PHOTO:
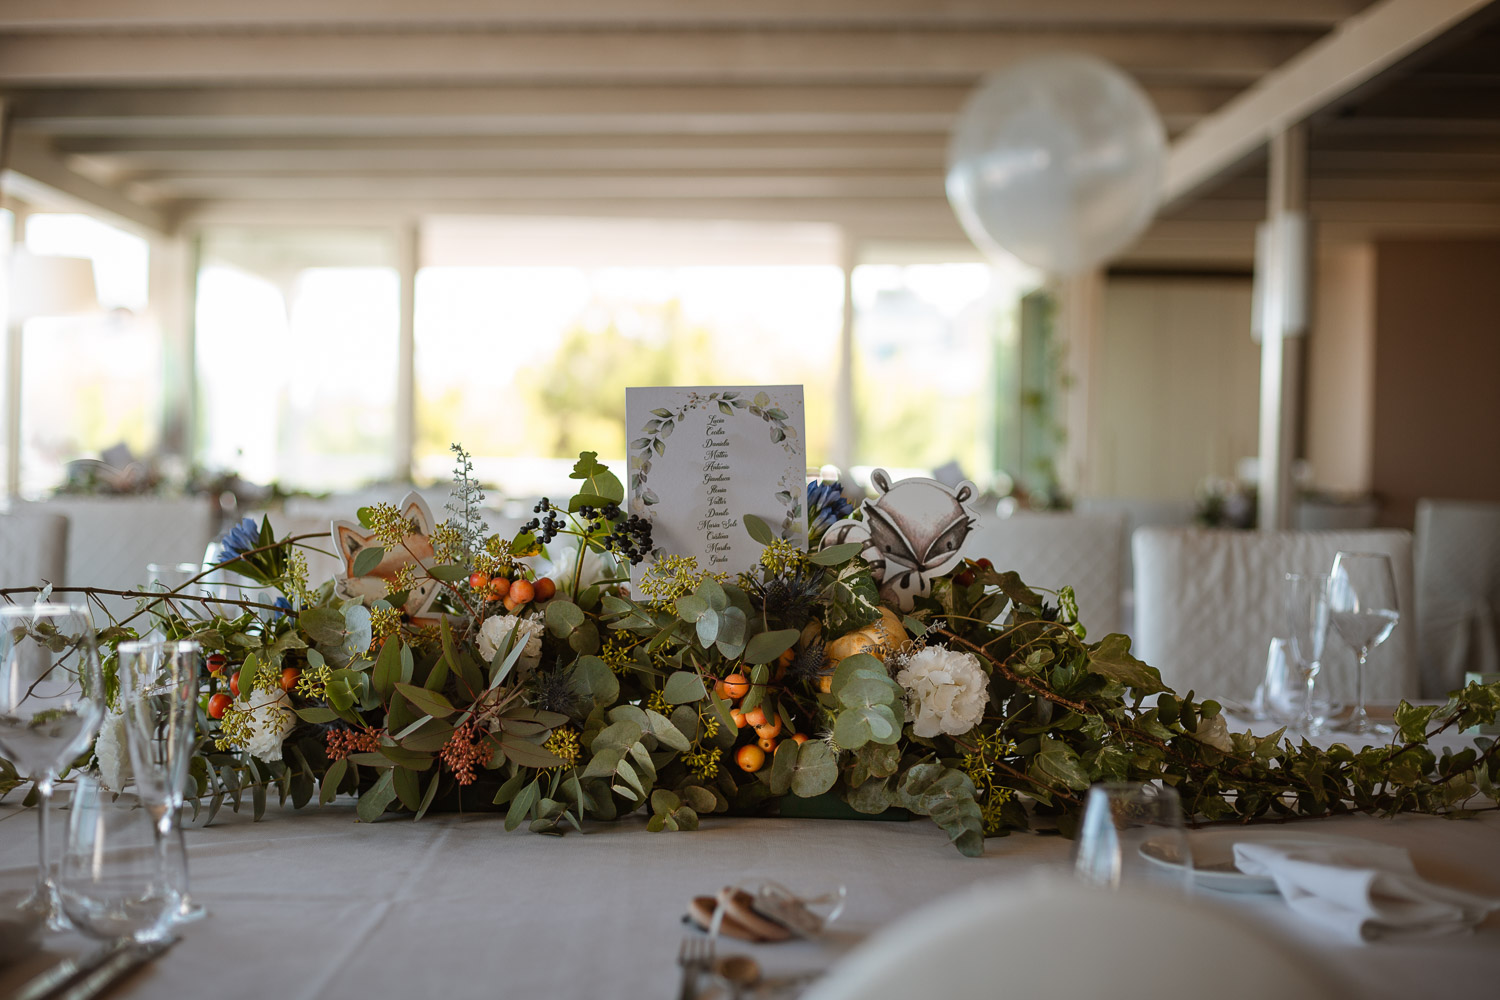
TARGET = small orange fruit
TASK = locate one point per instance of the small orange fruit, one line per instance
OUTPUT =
(738, 717)
(216, 662)
(521, 591)
(767, 744)
(479, 580)
(770, 729)
(218, 705)
(756, 716)
(234, 683)
(721, 690)
(737, 685)
(545, 589)
(799, 738)
(498, 588)
(750, 758)
(289, 678)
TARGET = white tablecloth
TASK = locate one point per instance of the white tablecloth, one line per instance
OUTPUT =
(314, 904)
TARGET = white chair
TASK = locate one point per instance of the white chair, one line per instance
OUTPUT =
(1004, 940)
(1054, 550)
(1208, 603)
(33, 549)
(111, 540)
(1458, 592)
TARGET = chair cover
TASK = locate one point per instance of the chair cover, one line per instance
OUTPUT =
(1208, 603)
(33, 548)
(1054, 550)
(1458, 592)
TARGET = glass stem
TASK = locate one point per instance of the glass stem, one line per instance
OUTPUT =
(1360, 715)
(43, 821)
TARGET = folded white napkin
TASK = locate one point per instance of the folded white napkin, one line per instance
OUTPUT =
(1363, 892)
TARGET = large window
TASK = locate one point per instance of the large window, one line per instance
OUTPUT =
(529, 365)
(297, 357)
(91, 382)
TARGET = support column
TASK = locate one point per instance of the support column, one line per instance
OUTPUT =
(13, 341)
(1283, 273)
(408, 261)
(173, 283)
(844, 428)
(1080, 316)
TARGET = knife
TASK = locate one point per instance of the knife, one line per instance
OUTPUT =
(115, 968)
(65, 971)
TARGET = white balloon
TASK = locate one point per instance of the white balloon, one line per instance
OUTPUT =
(1057, 160)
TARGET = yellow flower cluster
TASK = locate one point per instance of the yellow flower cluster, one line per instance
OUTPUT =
(674, 576)
(404, 580)
(782, 558)
(564, 743)
(447, 543)
(616, 651)
(495, 559)
(236, 729)
(708, 725)
(705, 763)
(295, 580)
(384, 623)
(979, 765)
(389, 527)
(313, 683)
(657, 702)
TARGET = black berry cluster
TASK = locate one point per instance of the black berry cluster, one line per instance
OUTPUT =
(546, 528)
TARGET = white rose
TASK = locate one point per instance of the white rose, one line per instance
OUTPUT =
(112, 753)
(948, 691)
(272, 719)
(494, 630)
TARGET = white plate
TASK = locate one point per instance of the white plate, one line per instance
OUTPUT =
(1213, 854)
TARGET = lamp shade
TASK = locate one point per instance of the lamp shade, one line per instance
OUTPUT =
(51, 286)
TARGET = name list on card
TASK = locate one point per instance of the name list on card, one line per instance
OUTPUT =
(703, 457)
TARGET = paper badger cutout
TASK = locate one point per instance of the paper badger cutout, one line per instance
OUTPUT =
(912, 533)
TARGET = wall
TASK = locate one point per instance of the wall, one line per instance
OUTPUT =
(1437, 373)
(1176, 386)
(1339, 393)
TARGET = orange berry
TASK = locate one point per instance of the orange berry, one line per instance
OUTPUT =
(216, 662)
(521, 592)
(234, 683)
(770, 729)
(721, 690)
(785, 659)
(289, 678)
(511, 604)
(750, 758)
(799, 738)
(479, 580)
(498, 588)
(767, 744)
(218, 705)
(738, 717)
(737, 685)
(756, 716)
(545, 589)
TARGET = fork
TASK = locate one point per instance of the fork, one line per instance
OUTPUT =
(696, 956)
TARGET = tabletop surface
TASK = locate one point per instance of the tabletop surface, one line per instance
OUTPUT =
(316, 904)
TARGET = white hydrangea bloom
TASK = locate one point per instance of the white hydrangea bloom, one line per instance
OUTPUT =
(112, 753)
(948, 691)
(494, 630)
(272, 717)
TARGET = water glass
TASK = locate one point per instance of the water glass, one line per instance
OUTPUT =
(1132, 835)
(51, 705)
(1283, 693)
(159, 688)
(175, 578)
(113, 879)
(1362, 607)
(1307, 629)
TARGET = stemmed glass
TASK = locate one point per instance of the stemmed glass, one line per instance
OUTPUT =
(167, 578)
(1307, 627)
(1362, 606)
(51, 705)
(112, 878)
(159, 690)
(1131, 834)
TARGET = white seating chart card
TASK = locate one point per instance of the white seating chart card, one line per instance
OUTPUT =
(702, 457)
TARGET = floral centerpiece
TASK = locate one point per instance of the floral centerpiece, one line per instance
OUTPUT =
(526, 678)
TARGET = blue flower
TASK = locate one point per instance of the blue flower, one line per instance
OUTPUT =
(285, 606)
(238, 540)
(825, 505)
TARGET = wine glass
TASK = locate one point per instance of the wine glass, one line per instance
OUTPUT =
(113, 880)
(1362, 607)
(51, 704)
(159, 691)
(1131, 835)
(1307, 628)
(174, 578)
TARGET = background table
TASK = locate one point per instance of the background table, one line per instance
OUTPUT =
(314, 904)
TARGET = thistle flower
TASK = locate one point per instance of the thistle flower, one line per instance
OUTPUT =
(825, 505)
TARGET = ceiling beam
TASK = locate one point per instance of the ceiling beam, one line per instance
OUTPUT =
(50, 15)
(34, 173)
(449, 111)
(577, 57)
(1364, 46)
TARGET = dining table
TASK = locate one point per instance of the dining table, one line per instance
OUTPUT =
(312, 903)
